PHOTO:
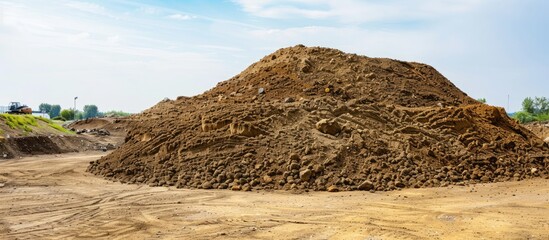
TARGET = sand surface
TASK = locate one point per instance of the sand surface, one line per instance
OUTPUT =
(52, 197)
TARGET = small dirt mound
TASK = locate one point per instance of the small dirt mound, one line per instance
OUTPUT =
(320, 119)
(106, 133)
(37, 145)
(116, 126)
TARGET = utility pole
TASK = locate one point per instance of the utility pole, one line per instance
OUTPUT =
(508, 96)
(74, 109)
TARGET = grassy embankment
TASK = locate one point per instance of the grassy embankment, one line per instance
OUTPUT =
(27, 122)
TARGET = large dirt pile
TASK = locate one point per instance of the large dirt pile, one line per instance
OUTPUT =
(320, 119)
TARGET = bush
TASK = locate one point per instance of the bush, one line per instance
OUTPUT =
(542, 117)
(524, 117)
(536, 109)
(67, 114)
(59, 118)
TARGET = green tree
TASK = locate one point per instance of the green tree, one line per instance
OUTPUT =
(536, 109)
(90, 111)
(541, 105)
(482, 100)
(55, 111)
(67, 114)
(78, 115)
(528, 105)
(44, 107)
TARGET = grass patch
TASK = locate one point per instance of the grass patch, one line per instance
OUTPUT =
(60, 128)
(22, 122)
(26, 122)
(55, 126)
(48, 121)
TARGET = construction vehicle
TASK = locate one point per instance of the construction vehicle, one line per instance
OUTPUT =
(18, 108)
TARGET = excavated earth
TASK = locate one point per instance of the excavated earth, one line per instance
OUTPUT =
(311, 118)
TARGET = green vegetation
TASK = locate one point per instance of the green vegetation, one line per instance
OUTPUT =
(90, 111)
(44, 107)
(68, 114)
(26, 122)
(55, 111)
(78, 115)
(536, 109)
(52, 110)
(59, 128)
(114, 114)
(59, 118)
(54, 125)
(482, 100)
(22, 122)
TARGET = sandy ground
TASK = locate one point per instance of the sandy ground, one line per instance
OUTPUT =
(52, 197)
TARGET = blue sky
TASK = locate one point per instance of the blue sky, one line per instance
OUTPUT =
(128, 55)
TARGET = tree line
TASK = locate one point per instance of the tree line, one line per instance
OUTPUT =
(533, 109)
(90, 111)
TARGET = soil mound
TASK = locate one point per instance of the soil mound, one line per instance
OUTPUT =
(25, 135)
(116, 126)
(36, 145)
(320, 119)
(106, 133)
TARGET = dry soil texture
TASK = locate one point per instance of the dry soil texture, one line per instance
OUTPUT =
(541, 129)
(52, 197)
(324, 120)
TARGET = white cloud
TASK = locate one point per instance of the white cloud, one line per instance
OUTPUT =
(82, 45)
(149, 9)
(356, 11)
(113, 39)
(1, 16)
(180, 16)
(404, 45)
(220, 47)
(87, 7)
(79, 37)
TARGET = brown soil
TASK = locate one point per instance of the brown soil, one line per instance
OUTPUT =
(51, 197)
(37, 145)
(44, 139)
(115, 127)
(320, 119)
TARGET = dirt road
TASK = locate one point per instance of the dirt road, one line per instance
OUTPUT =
(51, 197)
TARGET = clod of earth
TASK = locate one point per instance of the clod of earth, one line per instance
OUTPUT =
(355, 123)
